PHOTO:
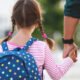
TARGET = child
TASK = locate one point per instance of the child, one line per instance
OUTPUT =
(27, 17)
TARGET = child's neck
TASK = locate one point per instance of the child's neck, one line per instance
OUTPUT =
(21, 37)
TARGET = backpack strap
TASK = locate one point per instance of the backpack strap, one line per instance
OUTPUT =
(29, 43)
(4, 46)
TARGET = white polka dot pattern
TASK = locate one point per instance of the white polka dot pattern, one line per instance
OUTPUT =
(18, 64)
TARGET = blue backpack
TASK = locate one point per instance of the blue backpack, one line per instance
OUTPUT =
(18, 64)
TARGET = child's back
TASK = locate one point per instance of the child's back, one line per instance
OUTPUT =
(44, 58)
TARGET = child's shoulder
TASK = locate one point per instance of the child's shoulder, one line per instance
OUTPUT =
(40, 42)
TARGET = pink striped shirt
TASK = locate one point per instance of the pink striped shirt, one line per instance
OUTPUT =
(44, 56)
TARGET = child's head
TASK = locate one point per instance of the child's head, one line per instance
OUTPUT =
(27, 13)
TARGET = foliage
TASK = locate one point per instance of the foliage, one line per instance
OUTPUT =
(53, 17)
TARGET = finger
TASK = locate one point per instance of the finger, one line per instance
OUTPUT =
(67, 52)
(68, 49)
(75, 60)
(76, 53)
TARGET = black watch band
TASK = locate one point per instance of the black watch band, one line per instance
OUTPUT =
(67, 41)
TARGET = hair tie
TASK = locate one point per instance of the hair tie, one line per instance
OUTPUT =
(9, 33)
(44, 35)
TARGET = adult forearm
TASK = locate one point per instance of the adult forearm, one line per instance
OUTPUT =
(70, 27)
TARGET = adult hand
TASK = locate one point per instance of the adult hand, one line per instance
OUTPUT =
(73, 54)
(68, 48)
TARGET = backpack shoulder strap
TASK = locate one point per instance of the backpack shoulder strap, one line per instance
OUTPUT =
(4, 46)
(29, 43)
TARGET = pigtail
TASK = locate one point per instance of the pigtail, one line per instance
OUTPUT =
(10, 33)
(49, 41)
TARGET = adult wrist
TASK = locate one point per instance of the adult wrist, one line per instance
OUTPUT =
(67, 41)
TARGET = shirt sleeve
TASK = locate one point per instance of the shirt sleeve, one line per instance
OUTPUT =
(54, 70)
(1, 48)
